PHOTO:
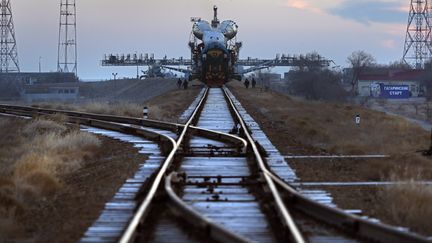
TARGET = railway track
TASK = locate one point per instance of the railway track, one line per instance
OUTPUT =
(218, 186)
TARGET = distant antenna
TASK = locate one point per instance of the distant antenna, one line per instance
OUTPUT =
(8, 46)
(215, 22)
(67, 46)
(418, 41)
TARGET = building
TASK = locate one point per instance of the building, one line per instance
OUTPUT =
(50, 92)
(32, 87)
(393, 84)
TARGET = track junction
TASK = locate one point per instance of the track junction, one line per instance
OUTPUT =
(221, 179)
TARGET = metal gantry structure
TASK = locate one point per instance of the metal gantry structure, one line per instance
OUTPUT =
(8, 46)
(418, 41)
(255, 64)
(67, 43)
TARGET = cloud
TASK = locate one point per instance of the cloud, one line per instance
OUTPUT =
(303, 5)
(389, 44)
(363, 11)
(394, 29)
(368, 11)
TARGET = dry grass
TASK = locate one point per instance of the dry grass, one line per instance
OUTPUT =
(420, 109)
(41, 127)
(170, 107)
(41, 152)
(166, 108)
(325, 127)
(409, 204)
(116, 109)
(157, 110)
(331, 127)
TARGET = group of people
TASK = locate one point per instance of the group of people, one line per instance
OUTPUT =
(185, 84)
(182, 83)
(247, 83)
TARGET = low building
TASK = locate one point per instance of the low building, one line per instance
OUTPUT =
(50, 92)
(393, 84)
(32, 87)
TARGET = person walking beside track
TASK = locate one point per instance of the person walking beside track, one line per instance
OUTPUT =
(246, 83)
(253, 82)
(179, 83)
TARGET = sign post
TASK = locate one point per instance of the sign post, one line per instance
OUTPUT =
(395, 92)
(357, 120)
(145, 112)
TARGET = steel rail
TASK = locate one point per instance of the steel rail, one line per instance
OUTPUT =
(121, 119)
(286, 216)
(118, 124)
(350, 223)
(371, 156)
(354, 224)
(113, 126)
(220, 136)
(174, 127)
(143, 209)
(211, 229)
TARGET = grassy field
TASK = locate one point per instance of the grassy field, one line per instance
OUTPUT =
(324, 127)
(33, 157)
(50, 172)
(299, 127)
(167, 107)
(408, 204)
(331, 126)
(418, 109)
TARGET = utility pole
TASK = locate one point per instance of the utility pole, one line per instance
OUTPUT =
(418, 41)
(67, 41)
(8, 46)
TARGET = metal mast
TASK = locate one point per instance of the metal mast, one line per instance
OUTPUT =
(418, 41)
(67, 45)
(8, 46)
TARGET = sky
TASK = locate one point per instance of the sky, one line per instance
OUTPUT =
(333, 28)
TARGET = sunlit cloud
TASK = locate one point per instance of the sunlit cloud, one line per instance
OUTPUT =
(322, 5)
(394, 29)
(299, 4)
(389, 44)
(402, 8)
(303, 5)
(372, 11)
(365, 11)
